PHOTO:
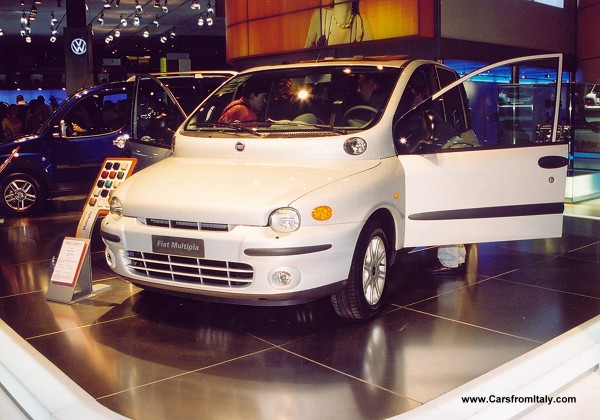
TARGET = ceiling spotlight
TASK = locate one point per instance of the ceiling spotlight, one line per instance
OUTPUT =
(201, 20)
(1, 32)
(163, 39)
(28, 39)
(28, 27)
(53, 39)
(165, 8)
(172, 34)
(195, 5)
(23, 18)
(136, 20)
(209, 8)
(138, 6)
(118, 3)
(53, 19)
(155, 22)
(106, 4)
(123, 20)
(156, 4)
(117, 33)
(101, 19)
(108, 39)
(146, 34)
(22, 31)
(22, 2)
(54, 31)
(209, 21)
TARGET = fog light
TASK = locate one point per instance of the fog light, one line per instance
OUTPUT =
(110, 258)
(284, 277)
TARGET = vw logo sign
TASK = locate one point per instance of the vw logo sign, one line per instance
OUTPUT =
(78, 46)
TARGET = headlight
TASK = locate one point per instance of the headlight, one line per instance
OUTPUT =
(116, 208)
(284, 220)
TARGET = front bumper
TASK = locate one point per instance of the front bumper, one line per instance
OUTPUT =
(247, 258)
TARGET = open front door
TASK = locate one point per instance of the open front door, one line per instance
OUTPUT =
(156, 116)
(490, 165)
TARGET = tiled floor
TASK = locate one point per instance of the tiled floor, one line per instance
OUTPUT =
(150, 356)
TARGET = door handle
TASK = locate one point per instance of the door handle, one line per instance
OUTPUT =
(553, 162)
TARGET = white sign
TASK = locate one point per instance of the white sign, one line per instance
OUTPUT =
(78, 46)
(70, 259)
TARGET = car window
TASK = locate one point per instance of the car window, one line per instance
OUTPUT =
(190, 90)
(300, 100)
(156, 115)
(484, 112)
(98, 114)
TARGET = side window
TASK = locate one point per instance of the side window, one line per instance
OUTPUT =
(453, 104)
(512, 104)
(156, 116)
(98, 114)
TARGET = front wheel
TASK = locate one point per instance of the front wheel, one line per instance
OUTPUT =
(362, 296)
(21, 194)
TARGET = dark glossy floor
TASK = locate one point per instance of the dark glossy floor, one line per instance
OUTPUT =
(150, 356)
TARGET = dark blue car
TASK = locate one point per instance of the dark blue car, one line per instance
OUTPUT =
(137, 117)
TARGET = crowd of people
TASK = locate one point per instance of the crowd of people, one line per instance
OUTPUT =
(23, 117)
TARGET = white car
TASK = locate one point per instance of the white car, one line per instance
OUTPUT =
(316, 195)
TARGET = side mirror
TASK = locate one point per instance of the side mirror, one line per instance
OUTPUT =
(62, 130)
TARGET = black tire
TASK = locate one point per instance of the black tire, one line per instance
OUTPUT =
(21, 194)
(362, 296)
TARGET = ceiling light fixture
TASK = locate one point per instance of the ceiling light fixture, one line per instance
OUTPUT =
(165, 8)
(155, 22)
(156, 4)
(201, 20)
(163, 39)
(209, 8)
(23, 18)
(195, 5)
(123, 20)
(138, 6)
(101, 19)
(53, 19)
(117, 33)
(106, 4)
(146, 33)
(209, 21)
(136, 20)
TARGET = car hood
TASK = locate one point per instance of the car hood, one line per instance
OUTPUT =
(226, 191)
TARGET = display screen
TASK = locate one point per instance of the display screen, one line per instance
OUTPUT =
(255, 28)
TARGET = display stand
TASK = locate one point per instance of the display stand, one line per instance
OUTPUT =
(72, 276)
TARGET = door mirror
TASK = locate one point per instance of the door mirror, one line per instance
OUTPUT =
(62, 130)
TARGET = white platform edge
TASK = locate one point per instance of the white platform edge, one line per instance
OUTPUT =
(543, 371)
(39, 388)
(43, 391)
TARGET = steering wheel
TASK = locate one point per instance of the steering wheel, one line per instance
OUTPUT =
(357, 108)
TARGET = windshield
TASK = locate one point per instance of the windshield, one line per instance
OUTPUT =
(300, 99)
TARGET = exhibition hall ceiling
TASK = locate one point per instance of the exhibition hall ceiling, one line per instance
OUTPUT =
(37, 21)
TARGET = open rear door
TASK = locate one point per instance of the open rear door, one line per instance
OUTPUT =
(501, 175)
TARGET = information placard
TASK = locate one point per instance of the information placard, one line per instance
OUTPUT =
(70, 260)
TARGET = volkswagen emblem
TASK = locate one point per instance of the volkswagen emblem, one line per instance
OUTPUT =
(78, 46)
(239, 146)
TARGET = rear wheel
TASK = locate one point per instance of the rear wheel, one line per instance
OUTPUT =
(362, 296)
(21, 194)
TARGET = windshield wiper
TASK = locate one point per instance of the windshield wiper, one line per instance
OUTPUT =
(235, 126)
(323, 127)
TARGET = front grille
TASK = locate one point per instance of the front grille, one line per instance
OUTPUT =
(189, 269)
(182, 224)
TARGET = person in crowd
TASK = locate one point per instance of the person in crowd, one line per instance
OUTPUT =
(20, 100)
(46, 108)
(339, 23)
(12, 124)
(253, 100)
(34, 117)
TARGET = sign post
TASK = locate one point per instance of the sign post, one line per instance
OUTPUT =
(72, 276)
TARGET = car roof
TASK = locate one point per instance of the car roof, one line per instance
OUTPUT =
(391, 61)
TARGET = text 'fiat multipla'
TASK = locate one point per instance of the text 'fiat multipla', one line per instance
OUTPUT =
(294, 182)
